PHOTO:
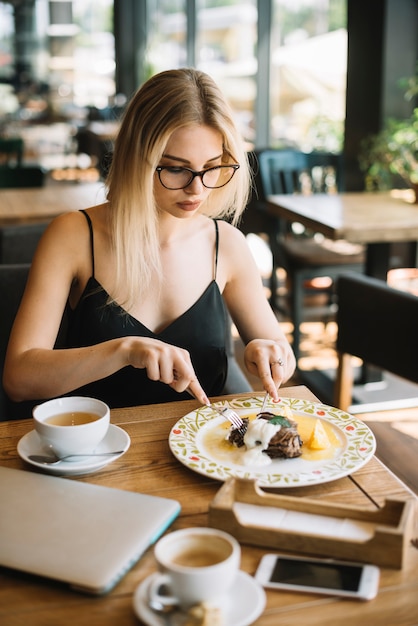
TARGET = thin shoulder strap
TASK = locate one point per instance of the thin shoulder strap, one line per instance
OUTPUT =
(216, 248)
(87, 216)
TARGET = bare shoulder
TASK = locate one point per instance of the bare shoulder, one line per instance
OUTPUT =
(69, 231)
(232, 242)
(230, 235)
(68, 223)
(65, 243)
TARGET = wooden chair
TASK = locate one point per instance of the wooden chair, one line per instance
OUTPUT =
(378, 324)
(302, 255)
(18, 242)
(21, 176)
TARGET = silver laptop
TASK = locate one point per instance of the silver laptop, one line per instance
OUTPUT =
(82, 534)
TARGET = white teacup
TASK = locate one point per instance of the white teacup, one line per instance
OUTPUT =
(71, 425)
(197, 565)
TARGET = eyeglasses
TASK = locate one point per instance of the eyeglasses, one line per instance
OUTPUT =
(172, 177)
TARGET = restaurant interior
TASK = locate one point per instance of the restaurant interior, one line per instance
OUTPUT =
(316, 86)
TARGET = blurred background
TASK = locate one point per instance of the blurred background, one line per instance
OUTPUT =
(308, 74)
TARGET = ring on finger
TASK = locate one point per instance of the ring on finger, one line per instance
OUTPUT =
(278, 362)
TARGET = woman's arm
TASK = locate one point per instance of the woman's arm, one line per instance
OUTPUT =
(266, 343)
(33, 369)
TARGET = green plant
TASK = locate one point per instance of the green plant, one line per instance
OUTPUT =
(391, 152)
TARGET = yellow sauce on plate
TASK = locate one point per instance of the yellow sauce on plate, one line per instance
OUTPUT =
(216, 443)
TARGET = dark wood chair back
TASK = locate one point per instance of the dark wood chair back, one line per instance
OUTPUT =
(13, 280)
(11, 151)
(281, 171)
(23, 176)
(378, 324)
(294, 247)
(12, 285)
(18, 242)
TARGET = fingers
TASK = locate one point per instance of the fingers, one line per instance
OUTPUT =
(170, 365)
(195, 391)
(183, 382)
(266, 360)
(273, 377)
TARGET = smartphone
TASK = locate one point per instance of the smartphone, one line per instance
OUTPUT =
(312, 575)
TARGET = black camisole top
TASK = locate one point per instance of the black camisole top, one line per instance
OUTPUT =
(201, 330)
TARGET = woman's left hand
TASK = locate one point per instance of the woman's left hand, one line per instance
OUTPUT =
(272, 361)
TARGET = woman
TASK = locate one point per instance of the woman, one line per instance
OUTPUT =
(144, 275)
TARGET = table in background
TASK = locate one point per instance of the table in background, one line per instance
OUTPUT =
(42, 204)
(376, 219)
(150, 467)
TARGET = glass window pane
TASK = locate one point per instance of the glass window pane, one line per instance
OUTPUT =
(6, 41)
(308, 74)
(166, 36)
(67, 51)
(226, 49)
(94, 53)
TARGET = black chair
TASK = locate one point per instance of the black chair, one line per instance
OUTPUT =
(303, 255)
(22, 176)
(378, 324)
(18, 242)
(11, 151)
(236, 382)
(98, 149)
(12, 284)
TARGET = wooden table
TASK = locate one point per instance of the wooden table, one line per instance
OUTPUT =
(375, 219)
(149, 467)
(44, 203)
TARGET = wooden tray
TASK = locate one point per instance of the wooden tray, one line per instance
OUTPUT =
(387, 530)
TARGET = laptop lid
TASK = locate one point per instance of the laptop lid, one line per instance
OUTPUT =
(82, 534)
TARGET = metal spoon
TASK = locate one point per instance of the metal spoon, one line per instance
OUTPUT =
(53, 460)
(162, 609)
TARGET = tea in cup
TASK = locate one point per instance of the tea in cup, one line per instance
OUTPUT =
(71, 425)
(197, 565)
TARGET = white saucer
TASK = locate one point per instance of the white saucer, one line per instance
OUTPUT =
(247, 600)
(115, 439)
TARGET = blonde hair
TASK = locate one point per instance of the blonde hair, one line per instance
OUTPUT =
(166, 102)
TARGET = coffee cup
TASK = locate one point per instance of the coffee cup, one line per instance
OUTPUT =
(197, 565)
(71, 425)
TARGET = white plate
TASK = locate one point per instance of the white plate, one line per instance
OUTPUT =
(246, 602)
(116, 439)
(189, 438)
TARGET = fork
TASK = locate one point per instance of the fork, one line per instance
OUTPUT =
(229, 414)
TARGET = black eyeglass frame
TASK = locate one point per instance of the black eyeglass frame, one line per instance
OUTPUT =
(194, 173)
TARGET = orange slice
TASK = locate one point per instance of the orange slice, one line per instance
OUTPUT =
(319, 439)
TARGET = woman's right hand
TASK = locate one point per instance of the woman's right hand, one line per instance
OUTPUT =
(167, 364)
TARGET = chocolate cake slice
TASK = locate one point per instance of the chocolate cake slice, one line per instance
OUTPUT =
(286, 442)
(283, 440)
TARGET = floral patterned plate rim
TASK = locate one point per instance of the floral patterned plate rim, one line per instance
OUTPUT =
(188, 442)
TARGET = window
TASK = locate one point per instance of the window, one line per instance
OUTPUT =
(308, 74)
(280, 63)
(166, 45)
(226, 46)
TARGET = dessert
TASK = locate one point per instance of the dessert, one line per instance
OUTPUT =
(267, 437)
